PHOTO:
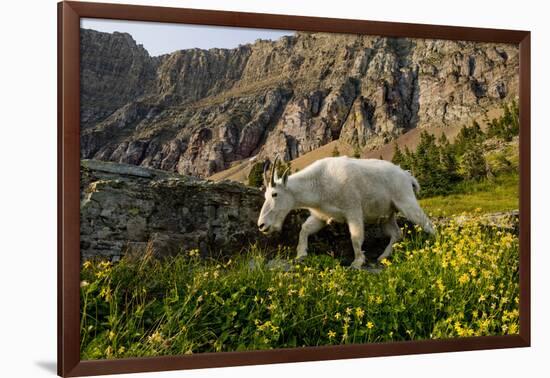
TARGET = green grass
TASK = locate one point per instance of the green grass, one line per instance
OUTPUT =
(464, 282)
(501, 194)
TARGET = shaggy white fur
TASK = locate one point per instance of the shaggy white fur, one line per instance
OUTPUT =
(346, 190)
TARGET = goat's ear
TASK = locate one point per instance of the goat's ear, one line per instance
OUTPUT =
(285, 176)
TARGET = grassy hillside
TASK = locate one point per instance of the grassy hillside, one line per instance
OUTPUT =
(501, 194)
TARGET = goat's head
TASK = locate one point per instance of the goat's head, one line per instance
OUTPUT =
(278, 200)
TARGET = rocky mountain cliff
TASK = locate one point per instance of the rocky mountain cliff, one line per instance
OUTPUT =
(197, 111)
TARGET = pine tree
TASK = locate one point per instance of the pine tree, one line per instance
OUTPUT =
(428, 169)
(467, 137)
(448, 159)
(335, 152)
(473, 165)
(506, 126)
(255, 177)
(282, 166)
(398, 157)
(409, 161)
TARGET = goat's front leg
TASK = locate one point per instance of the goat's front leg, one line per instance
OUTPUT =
(357, 232)
(310, 226)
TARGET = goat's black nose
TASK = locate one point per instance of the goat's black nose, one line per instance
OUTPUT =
(262, 226)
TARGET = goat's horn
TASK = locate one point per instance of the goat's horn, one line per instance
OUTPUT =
(285, 175)
(265, 174)
(273, 168)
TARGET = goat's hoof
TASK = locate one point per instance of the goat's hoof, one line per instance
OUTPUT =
(357, 265)
(374, 268)
(299, 259)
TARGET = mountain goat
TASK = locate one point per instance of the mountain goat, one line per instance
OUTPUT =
(345, 190)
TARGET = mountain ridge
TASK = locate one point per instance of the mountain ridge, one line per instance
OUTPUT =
(197, 112)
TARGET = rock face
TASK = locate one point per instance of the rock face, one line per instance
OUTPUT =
(124, 207)
(196, 111)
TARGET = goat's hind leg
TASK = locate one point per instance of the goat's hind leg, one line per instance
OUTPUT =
(310, 226)
(391, 229)
(413, 212)
(357, 232)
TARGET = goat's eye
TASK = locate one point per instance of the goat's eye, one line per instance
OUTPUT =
(274, 195)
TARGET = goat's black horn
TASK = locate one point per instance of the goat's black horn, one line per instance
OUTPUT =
(273, 168)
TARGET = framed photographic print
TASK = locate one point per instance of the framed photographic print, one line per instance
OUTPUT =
(239, 188)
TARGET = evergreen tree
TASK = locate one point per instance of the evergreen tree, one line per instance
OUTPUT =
(409, 161)
(448, 160)
(428, 169)
(473, 165)
(335, 151)
(398, 157)
(467, 137)
(506, 126)
(282, 166)
(255, 177)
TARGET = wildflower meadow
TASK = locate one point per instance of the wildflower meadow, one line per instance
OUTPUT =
(461, 283)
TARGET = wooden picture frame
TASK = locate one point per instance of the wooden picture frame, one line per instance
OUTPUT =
(69, 15)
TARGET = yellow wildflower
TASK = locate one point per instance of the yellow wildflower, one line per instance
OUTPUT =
(156, 337)
(440, 284)
(465, 278)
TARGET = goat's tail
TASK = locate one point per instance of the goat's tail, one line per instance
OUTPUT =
(414, 183)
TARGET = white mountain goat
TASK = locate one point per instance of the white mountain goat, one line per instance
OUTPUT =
(342, 189)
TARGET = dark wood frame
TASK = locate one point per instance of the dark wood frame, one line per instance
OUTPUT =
(69, 14)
